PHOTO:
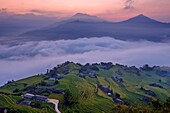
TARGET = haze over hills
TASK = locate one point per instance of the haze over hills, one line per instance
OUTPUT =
(141, 19)
(76, 17)
(85, 18)
(14, 24)
(36, 27)
(144, 21)
(83, 25)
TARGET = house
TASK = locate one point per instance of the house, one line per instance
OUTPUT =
(59, 77)
(52, 78)
(38, 91)
(148, 92)
(49, 90)
(28, 95)
(85, 71)
(49, 84)
(109, 94)
(93, 67)
(93, 75)
(29, 87)
(81, 76)
(146, 99)
(59, 91)
(117, 79)
(3, 109)
(156, 85)
(119, 101)
(25, 103)
(105, 90)
(77, 68)
(35, 97)
(132, 70)
(40, 98)
(52, 90)
(151, 93)
(118, 72)
(55, 78)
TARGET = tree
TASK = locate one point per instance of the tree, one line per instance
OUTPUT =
(117, 95)
(16, 90)
(157, 104)
(69, 100)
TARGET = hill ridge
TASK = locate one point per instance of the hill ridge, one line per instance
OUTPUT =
(98, 86)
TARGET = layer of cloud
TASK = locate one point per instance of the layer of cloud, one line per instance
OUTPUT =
(21, 59)
(46, 12)
(129, 4)
(3, 10)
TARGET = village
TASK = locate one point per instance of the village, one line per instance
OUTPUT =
(39, 92)
(55, 75)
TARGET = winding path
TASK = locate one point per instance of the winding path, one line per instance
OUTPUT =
(54, 101)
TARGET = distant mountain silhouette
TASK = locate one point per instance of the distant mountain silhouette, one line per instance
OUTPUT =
(82, 25)
(14, 24)
(85, 18)
(78, 17)
(142, 20)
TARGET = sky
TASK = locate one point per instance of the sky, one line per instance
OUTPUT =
(108, 9)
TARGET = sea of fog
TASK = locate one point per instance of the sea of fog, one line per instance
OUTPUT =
(19, 59)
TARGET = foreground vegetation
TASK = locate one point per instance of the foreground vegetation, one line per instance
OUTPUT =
(92, 88)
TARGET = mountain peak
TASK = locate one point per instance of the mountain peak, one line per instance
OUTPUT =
(86, 17)
(141, 19)
(142, 16)
(81, 14)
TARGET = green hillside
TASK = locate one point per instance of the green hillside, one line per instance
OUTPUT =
(90, 88)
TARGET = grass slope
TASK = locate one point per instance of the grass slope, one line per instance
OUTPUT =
(84, 93)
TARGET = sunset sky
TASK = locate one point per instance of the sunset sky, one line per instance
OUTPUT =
(108, 9)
